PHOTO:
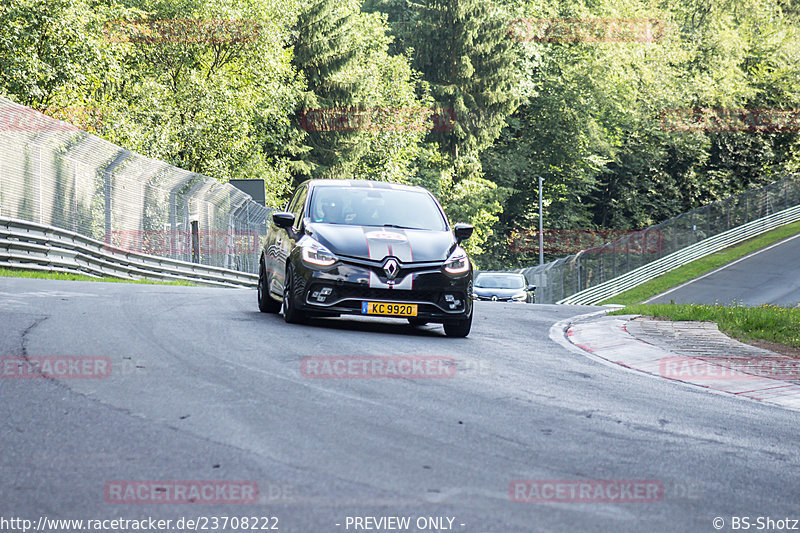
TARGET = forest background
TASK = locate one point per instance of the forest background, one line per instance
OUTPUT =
(631, 112)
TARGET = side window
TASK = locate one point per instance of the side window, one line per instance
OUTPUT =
(291, 207)
(298, 203)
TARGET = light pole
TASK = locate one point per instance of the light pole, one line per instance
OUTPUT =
(541, 235)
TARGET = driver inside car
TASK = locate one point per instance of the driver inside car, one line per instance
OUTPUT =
(332, 212)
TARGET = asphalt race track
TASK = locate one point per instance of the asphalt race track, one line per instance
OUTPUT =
(769, 276)
(203, 387)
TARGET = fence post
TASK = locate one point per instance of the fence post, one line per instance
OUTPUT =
(675, 233)
(747, 207)
(107, 194)
(785, 195)
(613, 263)
(628, 253)
(728, 203)
(39, 182)
(74, 195)
(603, 268)
(195, 241)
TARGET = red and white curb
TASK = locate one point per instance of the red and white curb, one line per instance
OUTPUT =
(606, 339)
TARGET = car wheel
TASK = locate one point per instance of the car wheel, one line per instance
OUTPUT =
(266, 304)
(291, 313)
(417, 322)
(458, 328)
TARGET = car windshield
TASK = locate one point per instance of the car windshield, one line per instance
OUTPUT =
(395, 208)
(500, 281)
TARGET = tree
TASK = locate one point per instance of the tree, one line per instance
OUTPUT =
(208, 87)
(52, 47)
(324, 51)
(464, 53)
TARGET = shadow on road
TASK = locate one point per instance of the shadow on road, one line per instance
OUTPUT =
(363, 324)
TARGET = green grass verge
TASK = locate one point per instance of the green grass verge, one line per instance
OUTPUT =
(702, 266)
(779, 325)
(35, 274)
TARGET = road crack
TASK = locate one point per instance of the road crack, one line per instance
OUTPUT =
(26, 332)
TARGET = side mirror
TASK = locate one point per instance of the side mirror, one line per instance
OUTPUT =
(462, 231)
(283, 219)
(531, 287)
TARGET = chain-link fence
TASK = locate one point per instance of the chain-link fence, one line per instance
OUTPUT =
(54, 173)
(566, 276)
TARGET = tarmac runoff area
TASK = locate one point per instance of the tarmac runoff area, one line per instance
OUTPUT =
(690, 352)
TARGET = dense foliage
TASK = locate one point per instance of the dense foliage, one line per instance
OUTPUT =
(474, 99)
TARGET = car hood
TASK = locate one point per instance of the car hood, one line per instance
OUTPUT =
(372, 242)
(494, 291)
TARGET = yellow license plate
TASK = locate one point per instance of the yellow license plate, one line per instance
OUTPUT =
(382, 308)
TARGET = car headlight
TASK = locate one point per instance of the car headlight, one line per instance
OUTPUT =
(458, 262)
(520, 297)
(316, 254)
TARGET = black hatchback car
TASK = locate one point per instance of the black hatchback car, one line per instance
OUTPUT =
(366, 248)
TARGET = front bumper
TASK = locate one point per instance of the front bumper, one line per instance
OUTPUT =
(343, 288)
(506, 299)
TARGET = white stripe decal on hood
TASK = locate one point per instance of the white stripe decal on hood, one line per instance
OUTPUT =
(382, 244)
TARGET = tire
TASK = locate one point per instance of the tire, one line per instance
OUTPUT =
(458, 328)
(291, 313)
(417, 322)
(266, 304)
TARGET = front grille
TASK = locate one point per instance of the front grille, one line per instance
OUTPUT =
(356, 294)
(369, 293)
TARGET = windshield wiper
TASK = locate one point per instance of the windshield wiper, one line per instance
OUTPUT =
(396, 226)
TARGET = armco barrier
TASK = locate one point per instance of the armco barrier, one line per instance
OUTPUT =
(56, 175)
(31, 246)
(612, 287)
(559, 280)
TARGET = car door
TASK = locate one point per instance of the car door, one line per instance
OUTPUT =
(284, 240)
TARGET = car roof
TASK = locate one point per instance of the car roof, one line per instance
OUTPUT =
(373, 184)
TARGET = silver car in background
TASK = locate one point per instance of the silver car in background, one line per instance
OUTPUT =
(502, 287)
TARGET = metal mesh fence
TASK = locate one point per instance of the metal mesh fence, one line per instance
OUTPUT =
(559, 279)
(54, 173)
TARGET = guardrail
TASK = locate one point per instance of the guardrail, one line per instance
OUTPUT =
(53, 173)
(629, 280)
(31, 246)
(558, 280)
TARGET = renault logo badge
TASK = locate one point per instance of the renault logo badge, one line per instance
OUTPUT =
(391, 268)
